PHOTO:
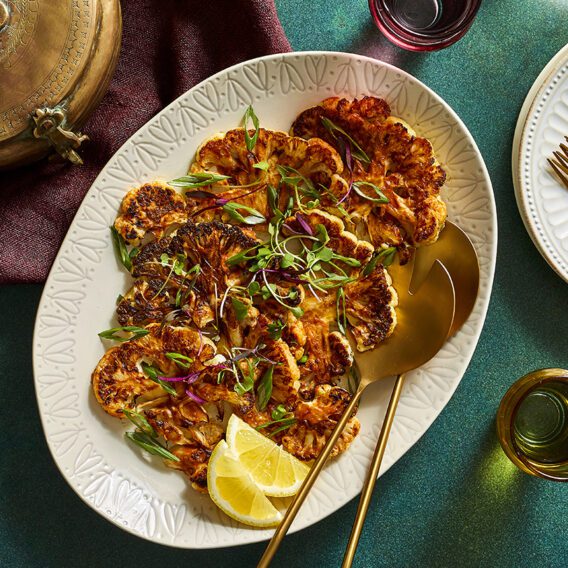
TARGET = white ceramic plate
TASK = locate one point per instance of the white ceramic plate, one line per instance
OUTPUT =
(117, 480)
(541, 197)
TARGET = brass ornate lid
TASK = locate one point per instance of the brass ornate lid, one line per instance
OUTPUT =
(54, 57)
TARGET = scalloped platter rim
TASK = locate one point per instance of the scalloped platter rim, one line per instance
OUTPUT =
(136, 492)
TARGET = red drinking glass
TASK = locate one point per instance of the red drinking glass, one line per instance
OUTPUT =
(424, 25)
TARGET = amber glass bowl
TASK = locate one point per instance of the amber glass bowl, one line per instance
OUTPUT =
(524, 455)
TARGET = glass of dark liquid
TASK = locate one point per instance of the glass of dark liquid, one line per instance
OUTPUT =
(532, 424)
(424, 25)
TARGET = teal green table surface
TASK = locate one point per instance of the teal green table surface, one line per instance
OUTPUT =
(453, 499)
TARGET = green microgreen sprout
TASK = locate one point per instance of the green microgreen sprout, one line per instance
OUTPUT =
(275, 329)
(384, 256)
(279, 412)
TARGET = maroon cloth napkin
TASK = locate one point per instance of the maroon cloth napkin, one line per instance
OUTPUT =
(167, 47)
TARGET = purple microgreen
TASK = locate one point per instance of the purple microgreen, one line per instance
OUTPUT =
(197, 179)
(136, 332)
(304, 224)
(264, 390)
(335, 131)
(382, 198)
(194, 397)
(250, 115)
(150, 445)
(201, 195)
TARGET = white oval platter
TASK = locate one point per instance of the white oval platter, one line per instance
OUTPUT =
(135, 492)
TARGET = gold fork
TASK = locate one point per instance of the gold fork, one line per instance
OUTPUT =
(560, 164)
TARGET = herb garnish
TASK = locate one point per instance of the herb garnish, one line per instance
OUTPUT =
(182, 360)
(340, 311)
(254, 218)
(284, 423)
(120, 249)
(384, 256)
(279, 412)
(356, 150)
(140, 422)
(382, 198)
(197, 179)
(250, 115)
(152, 446)
(132, 329)
(241, 309)
(275, 329)
(154, 374)
(261, 166)
(264, 391)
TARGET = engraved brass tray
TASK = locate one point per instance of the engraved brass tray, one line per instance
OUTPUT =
(56, 61)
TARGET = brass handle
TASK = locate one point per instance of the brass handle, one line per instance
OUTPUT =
(315, 470)
(4, 14)
(50, 124)
(371, 479)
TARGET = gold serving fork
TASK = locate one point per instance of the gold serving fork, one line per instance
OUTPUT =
(560, 164)
(424, 321)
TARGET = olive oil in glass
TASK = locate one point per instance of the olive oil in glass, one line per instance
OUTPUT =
(532, 424)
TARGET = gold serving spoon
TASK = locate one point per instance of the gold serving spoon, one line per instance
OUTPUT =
(456, 252)
(424, 321)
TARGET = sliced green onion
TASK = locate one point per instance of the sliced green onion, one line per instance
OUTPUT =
(382, 198)
(279, 412)
(140, 422)
(150, 445)
(120, 249)
(264, 391)
(182, 360)
(383, 256)
(250, 115)
(134, 330)
(197, 179)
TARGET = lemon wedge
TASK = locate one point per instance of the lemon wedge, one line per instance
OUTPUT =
(274, 471)
(234, 491)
